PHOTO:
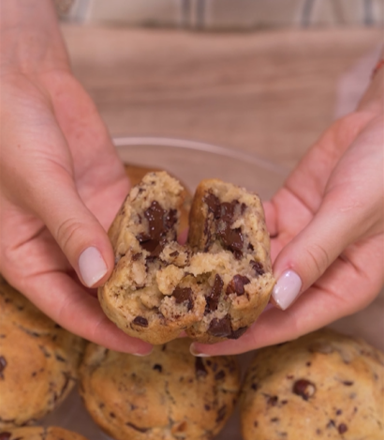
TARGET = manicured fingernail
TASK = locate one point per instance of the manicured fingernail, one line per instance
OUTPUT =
(143, 354)
(196, 352)
(286, 289)
(92, 266)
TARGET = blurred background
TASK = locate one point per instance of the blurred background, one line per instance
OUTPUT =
(263, 76)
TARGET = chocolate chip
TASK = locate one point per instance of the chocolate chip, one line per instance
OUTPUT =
(182, 294)
(170, 219)
(220, 375)
(227, 211)
(237, 333)
(174, 254)
(214, 295)
(339, 412)
(342, 428)
(200, 369)
(154, 214)
(257, 267)
(221, 414)
(60, 358)
(213, 204)
(137, 428)
(255, 386)
(304, 388)
(347, 383)
(3, 364)
(331, 424)
(274, 419)
(141, 321)
(220, 328)
(112, 415)
(5, 435)
(136, 256)
(236, 285)
(158, 367)
(233, 240)
(207, 407)
(271, 400)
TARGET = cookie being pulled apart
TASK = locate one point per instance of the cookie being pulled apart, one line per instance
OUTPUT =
(213, 287)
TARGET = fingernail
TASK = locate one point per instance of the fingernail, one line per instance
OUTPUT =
(196, 352)
(286, 289)
(92, 266)
(143, 354)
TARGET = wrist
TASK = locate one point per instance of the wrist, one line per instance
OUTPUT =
(31, 42)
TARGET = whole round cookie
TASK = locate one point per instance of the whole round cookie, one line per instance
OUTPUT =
(321, 386)
(38, 360)
(213, 287)
(167, 395)
(38, 433)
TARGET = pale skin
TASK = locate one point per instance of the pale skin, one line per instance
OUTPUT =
(62, 183)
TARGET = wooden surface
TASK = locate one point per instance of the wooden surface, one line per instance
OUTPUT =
(267, 92)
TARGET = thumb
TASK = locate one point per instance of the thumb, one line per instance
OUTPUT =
(314, 249)
(55, 199)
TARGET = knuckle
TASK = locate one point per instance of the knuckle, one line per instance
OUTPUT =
(67, 230)
(318, 258)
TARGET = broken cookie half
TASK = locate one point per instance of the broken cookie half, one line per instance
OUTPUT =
(212, 288)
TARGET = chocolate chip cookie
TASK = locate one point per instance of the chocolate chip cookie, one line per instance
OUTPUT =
(167, 395)
(38, 433)
(321, 386)
(213, 287)
(38, 360)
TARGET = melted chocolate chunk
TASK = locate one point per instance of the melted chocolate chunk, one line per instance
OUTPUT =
(257, 267)
(214, 295)
(272, 400)
(237, 333)
(159, 223)
(220, 328)
(141, 321)
(227, 211)
(158, 367)
(3, 364)
(213, 204)
(154, 214)
(342, 428)
(221, 414)
(5, 435)
(220, 375)
(233, 240)
(304, 388)
(170, 219)
(236, 285)
(137, 428)
(136, 256)
(200, 369)
(182, 294)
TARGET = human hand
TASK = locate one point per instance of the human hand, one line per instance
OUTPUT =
(61, 181)
(326, 225)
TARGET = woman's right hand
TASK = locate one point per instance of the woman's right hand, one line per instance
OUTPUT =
(61, 179)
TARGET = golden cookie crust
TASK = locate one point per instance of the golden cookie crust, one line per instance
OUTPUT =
(38, 433)
(167, 395)
(213, 287)
(38, 360)
(321, 386)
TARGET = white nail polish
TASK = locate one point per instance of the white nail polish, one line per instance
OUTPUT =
(92, 266)
(196, 353)
(286, 289)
